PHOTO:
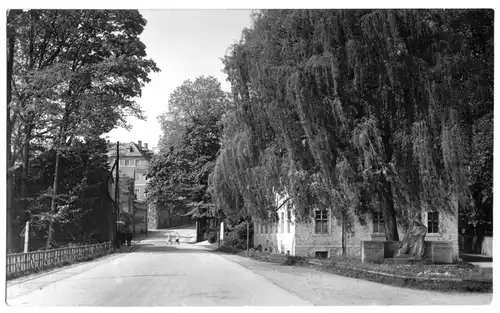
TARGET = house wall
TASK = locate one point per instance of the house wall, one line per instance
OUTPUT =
(278, 238)
(153, 216)
(137, 165)
(448, 227)
(303, 241)
(140, 182)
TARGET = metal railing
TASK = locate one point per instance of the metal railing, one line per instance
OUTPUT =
(20, 263)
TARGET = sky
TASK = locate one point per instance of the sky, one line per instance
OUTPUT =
(184, 44)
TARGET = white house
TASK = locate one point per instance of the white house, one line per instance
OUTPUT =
(322, 235)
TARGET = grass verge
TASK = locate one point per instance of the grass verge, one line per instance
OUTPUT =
(446, 278)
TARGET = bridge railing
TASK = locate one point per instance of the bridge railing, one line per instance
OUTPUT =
(22, 263)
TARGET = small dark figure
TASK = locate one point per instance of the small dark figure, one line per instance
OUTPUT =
(129, 238)
(177, 239)
(123, 238)
(119, 240)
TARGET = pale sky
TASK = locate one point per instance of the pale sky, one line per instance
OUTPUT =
(184, 44)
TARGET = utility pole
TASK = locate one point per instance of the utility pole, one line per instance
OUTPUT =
(117, 190)
(219, 227)
(248, 233)
(344, 248)
(26, 237)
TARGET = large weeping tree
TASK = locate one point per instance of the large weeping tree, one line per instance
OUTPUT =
(356, 107)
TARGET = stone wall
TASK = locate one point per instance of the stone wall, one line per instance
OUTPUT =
(153, 216)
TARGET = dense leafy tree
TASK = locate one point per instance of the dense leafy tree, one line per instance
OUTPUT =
(83, 192)
(179, 174)
(352, 109)
(76, 73)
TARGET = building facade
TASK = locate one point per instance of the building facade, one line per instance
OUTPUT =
(133, 163)
(321, 236)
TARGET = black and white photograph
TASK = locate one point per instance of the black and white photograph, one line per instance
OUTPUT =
(249, 157)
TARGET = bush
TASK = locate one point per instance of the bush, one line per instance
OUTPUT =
(259, 247)
(212, 238)
(292, 260)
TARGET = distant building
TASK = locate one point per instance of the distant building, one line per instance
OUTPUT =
(134, 159)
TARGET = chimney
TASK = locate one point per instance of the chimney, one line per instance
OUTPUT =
(146, 146)
(140, 143)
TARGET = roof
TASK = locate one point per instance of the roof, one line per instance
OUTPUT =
(138, 151)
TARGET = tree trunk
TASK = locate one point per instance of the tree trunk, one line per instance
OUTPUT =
(26, 159)
(133, 220)
(391, 229)
(50, 235)
(344, 248)
(248, 236)
(10, 125)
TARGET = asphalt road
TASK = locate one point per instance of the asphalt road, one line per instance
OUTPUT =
(157, 274)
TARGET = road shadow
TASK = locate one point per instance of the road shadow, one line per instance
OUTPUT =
(123, 276)
(182, 248)
(469, 257)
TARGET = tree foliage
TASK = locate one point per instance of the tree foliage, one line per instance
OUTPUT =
(75, 76)
(83, 191)
(179, 174)
(355, 109)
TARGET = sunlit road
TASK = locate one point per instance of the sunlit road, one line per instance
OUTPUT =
(157, 274)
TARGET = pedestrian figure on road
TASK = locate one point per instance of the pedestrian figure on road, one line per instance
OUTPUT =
(169, 238)
(129, 238)
(177, 239)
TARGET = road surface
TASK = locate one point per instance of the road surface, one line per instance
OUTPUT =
(157, 274)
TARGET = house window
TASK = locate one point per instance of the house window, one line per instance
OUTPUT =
(266, 229)
(261, 228)
(378, 222)
(432, 222)
(122, 162)
(137, 163)
(145, 194)
(130, 149)
(137, 192)
(321, 221)
(321, 254)
(127, 162)
(282, 221)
